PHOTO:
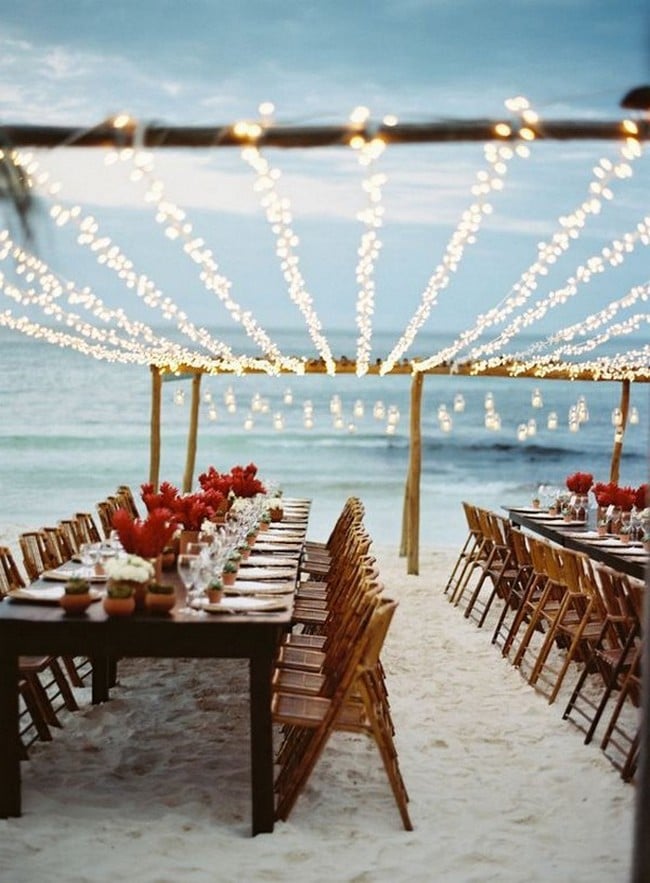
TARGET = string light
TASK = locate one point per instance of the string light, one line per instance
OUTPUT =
(488, 181)
(178, 227)
(278, 215)
(569, 230)
(371, 217)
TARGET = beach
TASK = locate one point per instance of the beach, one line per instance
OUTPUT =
(154, 785)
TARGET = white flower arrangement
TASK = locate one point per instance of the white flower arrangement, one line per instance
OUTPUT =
(209, 527)
(131, 568)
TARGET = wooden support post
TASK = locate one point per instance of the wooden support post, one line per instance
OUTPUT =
(192, 436)
(154, 433)
(413, 480)
(614, 472)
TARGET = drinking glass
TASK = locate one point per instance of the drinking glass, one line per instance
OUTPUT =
(89, 555)
(186, 571)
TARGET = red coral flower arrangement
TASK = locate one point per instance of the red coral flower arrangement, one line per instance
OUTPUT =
(641, 497)
(624, 498)
(605, 493)
(144, 537)
(186, 510)
(580, 482)
(241, 481)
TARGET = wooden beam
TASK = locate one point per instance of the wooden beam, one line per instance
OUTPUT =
(190, 460)
(614, 472)
(154, 437)
(155, 135)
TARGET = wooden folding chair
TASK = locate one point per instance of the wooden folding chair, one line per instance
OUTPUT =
(611, 656)
(41, 551)
(311, 719)
(468, 550)
(523, 574)
(499, 567)
(42, 683)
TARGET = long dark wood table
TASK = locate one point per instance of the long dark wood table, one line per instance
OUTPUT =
(33, 629)
(578, 537)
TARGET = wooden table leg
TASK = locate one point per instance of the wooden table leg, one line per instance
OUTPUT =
(101, 679)
(261, 743)
(9, 739)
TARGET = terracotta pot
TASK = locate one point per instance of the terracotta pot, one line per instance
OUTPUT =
(214, 595)
(75, 604)
(264, 525)
(157, 602)
(228, 578)
(119, 606)
(187, 537)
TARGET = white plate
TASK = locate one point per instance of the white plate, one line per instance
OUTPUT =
(267, 572)
(66, 571)
(45, 595)
(246, 605)
(268, 561)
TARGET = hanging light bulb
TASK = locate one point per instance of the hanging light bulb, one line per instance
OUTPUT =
(634, 415)
(265, 406)
(617, 417)
(207, 397)
(308, 408)
(446, 423)
(582, 410)
(278, 421)
(179, 397)
(212, 413)
(335, 405)
(536, 399)
(249, 423)
(288, 397)
(338, 422)
(618, 435)
(459, 403)
(308, 422)
(256, 402)
(390, 429)
(552, 421)
(531, 427)
(352, 428)
(393, 415)
(379, 411)
(231, 407)
(522, 432)
(489, 402)
(358, 409)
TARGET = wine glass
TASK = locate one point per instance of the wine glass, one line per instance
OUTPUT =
(186, 571)
(89, 555)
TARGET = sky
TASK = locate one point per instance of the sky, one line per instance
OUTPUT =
(208, 62)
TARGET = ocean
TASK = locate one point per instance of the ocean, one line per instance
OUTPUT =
(74, 428)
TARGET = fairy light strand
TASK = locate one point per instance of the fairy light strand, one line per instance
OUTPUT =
(277, 210)
(370, 246)
(178, 227)
(488, 181)
(570, 228)
(612, 255)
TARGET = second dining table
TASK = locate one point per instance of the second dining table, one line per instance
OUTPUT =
(31, 628)
(629, 558)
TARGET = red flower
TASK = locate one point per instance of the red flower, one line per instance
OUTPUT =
(641, 497)
(624, 498)
(146, 538)
(241, 481)
(605, 493)
(580, 482)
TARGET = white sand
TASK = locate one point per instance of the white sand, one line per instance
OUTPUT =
(154, 786)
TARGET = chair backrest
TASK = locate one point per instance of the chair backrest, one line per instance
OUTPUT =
(127, 501)
(57, 544)
(37, 556)
(88, 530)
(10, 577)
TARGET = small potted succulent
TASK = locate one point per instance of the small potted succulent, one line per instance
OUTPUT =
(160, 597)
(76, 597)
(214, 590)
(229, 572)
(119, 599)
(265, 521)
